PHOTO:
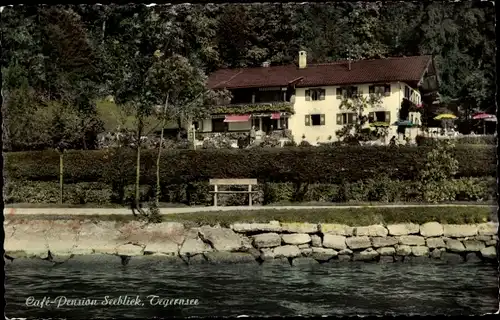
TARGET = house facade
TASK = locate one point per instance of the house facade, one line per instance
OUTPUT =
(306, 99)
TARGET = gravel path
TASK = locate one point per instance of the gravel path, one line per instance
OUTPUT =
(164, 211)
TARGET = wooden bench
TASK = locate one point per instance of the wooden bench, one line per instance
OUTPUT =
(233, 182)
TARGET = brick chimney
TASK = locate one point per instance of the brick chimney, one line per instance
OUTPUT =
(302, 59)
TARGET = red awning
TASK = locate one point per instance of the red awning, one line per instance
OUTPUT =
(275, 115)
(237, 118)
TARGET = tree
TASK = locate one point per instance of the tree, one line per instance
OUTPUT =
(181, 88)
(356, 131)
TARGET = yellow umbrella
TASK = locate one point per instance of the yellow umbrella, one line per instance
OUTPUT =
(445, 116)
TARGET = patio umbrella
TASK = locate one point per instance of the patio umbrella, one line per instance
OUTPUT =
(482, 116)
(445, 116)
(485, 117)
(404, 123)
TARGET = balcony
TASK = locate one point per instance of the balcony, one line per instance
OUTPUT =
(250, 108)
(413, 96)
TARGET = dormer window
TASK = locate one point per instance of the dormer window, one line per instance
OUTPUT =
(383, 90)
(347, 92)
(315, 94)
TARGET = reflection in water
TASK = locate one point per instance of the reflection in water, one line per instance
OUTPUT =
(230, 290)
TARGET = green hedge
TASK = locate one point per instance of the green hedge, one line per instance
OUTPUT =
(463, 140)
(294, 164)
(376, 190)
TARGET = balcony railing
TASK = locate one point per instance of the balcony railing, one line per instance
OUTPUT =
(245, 108)
(412, 95)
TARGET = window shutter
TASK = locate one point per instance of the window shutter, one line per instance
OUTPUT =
(339, 119)
(349, 117)
(307, 120)
(387, 90)
(322, 94)
(308, 95)
(371, 89)
(322, 120)
(387, 117)
(339, 93)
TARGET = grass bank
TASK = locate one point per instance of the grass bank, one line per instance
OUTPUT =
(349, 216)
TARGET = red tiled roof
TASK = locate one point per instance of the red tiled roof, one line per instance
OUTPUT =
(409, 69)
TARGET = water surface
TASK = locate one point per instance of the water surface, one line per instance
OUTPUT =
(274, 290)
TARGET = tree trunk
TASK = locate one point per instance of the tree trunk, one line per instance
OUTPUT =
(61, 174)
(138, 163)
(103, 31)
(159, 151)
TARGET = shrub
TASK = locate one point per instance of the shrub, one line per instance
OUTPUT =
(290, 143)
(48, 192)
(312, 165)
(304, 144)
(381, 189)
(270, 141)
(461, 140)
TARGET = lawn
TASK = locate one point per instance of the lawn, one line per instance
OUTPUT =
(114, 116)
(349, 216)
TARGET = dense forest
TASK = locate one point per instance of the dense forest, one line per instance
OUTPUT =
(57, 61)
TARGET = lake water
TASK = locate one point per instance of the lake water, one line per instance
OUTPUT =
(267, 290)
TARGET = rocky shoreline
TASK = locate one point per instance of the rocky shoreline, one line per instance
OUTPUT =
(66, 241)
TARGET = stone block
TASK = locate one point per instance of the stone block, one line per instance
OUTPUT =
(267, 240)
(299, 227)
(365, 255)
(378, 242)
(403, 250)
(273, 226)
(431, 229)
(221, 239)
(454, 245)
(420, 251)
(296, 238)
(336, 229)
(288, 251)
(412, 240)
(489, 253)
(473, 245)
(435, 243)
(403, 229)
(386, 251)
(487, 229)
(322, 254)
(358, 242)
(372, 231)
(334, 242)
(459, 230)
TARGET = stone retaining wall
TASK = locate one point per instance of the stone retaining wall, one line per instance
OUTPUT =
(294, 243)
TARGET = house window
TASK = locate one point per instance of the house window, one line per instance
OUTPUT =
(218, 125)
(380, 116)
(315, 94)
(346, 118)
(383, 90)
(347, 92)
(315, 120)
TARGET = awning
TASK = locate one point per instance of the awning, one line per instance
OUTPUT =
(237, 118)
(275, 115)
